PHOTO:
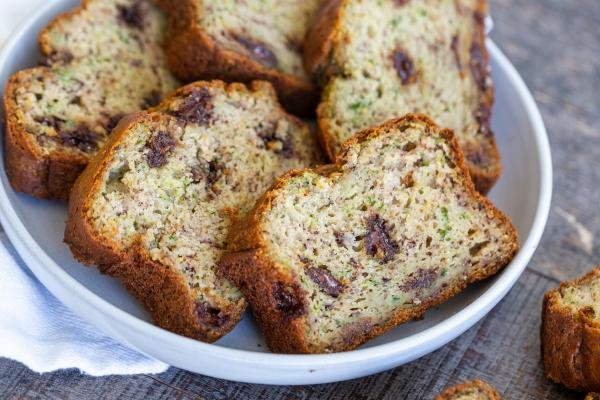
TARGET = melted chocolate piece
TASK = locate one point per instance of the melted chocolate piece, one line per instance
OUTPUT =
(323, 278)
(152, 99)
(404, 67)
(410, 146)
(159, 146)
(82, 138)
(478, 66)
(211, 316)
(483, 115)
(401, 2)
(260, 52)
(420, 279)
(339, 238)
(408, 180)
(62, 57)
(51, 121)
(282, 146)
(195, 108)
(378, 241)
(132, 15)
(286, 300)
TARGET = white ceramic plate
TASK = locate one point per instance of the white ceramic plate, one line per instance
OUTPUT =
(524, 192)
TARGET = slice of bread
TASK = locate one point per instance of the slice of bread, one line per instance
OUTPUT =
(471, 390)
(155, 206)
(333, 256)
(571, 333)
(103, 59)
(380, 60)
(593, 396)
(242, 41)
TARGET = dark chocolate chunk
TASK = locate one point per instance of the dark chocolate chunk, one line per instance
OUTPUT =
(404, 67)
(195, 108)
(408, 180)
(400, 2)
(152, 99)
(159, 146)
(378, 241)
(62, 57)
(210, 171)
(483, 114)
(278, 145)
(323, 278)
(420, 279)
(132, 15)
(286, 300)
(50, 120)
(211, 316)
(478, 66)
(410, 146)
(454, 47)
(260, 52)
(81, 137)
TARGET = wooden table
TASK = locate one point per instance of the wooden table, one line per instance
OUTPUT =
(555, 45)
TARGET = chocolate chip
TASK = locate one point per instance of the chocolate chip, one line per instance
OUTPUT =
(401, 2)
(132, 15)
(50, 120)
(420, 279)
(211, 316)
(404, 67)
(195, 108)
(454, 47)
(62, 57)
(478, 66)
(152, 99)
(378, 241)
(323, 278)
(260, 52)
(483, 114)
(159, 146)
(408, 180)
(286, 300)
(210, 171)
(113, 122)
(81, 137)
(279, 145)
(476, 249)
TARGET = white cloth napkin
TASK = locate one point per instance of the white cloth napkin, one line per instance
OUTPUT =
(35, 328)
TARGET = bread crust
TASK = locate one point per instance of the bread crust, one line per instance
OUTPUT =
(570, 342)
(160, 289)
(47, 176)
(489, 391)
(248, 265)
(593, 396)
(193, 55)
(318, 61)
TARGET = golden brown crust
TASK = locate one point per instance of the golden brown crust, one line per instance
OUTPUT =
(476, 384)
(593, 396)
(318, 59)
(570, 342)
(250, 268)
(159, 287)
(194, 55)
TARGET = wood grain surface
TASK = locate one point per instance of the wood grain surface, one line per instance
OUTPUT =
(555, 45)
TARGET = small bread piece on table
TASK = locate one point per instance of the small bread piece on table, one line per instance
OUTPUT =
(155, 205)
(103, 59)
(333, 256)
(239, 41)
(471, 390)
(571, 333)
(378, 60)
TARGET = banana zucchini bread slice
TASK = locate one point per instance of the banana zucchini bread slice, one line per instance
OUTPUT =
(153, 208)
(242, 41)
(333, 256)
(380, 60)
(103, 59)
(471, 390)
(571, 333)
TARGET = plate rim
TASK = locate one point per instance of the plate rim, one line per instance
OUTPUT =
(68, 290)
